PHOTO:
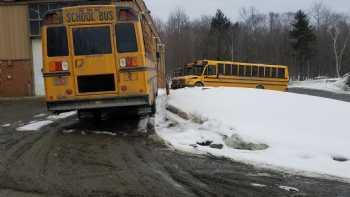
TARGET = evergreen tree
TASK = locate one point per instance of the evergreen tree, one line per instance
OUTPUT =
(220, 36)
(303, 39)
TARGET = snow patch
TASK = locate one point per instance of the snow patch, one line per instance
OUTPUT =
(104, 133)
(257, 185)
(289, 189)
(68, 131)
(61, 116)
(40, 115)
(34, 126)
(6, 125)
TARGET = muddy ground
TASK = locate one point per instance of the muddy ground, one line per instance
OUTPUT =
(69, 159)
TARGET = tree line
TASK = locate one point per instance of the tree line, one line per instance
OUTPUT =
(312, 43)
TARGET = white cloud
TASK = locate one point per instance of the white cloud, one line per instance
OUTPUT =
(196, 8)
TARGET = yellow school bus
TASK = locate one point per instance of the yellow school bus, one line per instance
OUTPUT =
(99, 57)
(233, 74)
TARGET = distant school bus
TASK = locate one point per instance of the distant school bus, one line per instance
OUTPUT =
(101, 56)
(233, 74)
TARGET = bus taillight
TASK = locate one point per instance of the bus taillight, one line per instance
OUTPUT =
(128, 62)
(58, 66)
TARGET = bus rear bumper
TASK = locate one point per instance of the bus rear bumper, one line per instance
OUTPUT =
(115, 102)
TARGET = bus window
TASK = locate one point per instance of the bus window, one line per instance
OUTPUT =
(197, 70)
(57, 44)
(241, 71)
(234, 70)
(211, 70)
(126, 38)
(281, 73)
(188, 70)
(254, 71)
(267, 72)
(92, 40)
(274, 73)
(261, 72)
(248, 71)
(221, 69)
(228, 69)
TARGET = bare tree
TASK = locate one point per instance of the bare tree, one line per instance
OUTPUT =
(338, 49)
(260, 38)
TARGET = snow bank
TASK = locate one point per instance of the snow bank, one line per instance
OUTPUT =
(34, 126)
(303, 133)
(336, 85)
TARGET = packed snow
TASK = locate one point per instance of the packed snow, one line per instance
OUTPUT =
(285, 131)
(35, 126)
(336, 85)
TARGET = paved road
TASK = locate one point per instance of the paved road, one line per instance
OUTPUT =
(321, 93)
(70, 160)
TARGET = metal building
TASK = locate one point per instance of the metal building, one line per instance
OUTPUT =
(20, 44)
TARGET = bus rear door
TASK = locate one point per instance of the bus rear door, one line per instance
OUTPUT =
(94, 59)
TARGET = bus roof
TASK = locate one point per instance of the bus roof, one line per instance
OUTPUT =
(239, 63)
(137, 6)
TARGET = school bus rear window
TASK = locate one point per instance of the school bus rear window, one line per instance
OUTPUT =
(92, 40)
(126, 38)
(57, 44)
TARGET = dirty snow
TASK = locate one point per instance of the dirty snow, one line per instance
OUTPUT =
(34, 126)
(6, 125)
(336, 85)
(302, 133)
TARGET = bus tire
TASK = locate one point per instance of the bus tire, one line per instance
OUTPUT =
(260, 87)
(80, 115)
(154, 107)
(198, 84)
(97, 114)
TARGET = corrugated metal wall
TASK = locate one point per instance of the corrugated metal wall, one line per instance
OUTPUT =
(16, 72)
(14, 33)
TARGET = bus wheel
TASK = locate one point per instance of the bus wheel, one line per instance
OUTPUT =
(154, 107)
(260, 87)
(198, 84)
(97, 116)
(80, 115)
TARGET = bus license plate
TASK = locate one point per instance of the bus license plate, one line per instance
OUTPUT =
(60, 81)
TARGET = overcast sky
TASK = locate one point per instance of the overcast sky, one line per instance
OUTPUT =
(196, 8)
